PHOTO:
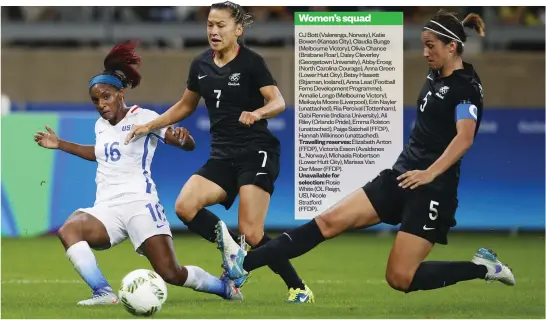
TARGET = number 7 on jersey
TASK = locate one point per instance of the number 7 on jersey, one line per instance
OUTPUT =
(218, 93)
(265, 158)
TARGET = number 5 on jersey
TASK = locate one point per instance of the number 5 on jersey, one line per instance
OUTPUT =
(218, 93)
(433, 207)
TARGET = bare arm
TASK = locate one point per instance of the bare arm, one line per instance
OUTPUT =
(181, 138)
(86, 152)
(50, 140)
(275, 102)
(454, 152)
(456, 149)
(274, 106)
(178, 112)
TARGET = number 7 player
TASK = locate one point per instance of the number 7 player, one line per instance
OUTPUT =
(245, 156)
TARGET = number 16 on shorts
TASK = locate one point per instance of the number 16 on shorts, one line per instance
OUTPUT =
(158, 214)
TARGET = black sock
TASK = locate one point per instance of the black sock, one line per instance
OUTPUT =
(283, 268)
(204, 224)
(289, 245)
(439, 274)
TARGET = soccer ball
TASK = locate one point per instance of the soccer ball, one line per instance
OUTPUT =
(142, 292)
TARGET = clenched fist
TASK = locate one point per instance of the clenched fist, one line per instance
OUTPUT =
(182, 134)
(249, 118)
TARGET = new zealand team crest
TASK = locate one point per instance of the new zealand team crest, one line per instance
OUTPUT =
(234, 79)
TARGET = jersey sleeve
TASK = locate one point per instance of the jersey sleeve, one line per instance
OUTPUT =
(466, 101)
(193, 81)
(261, 75)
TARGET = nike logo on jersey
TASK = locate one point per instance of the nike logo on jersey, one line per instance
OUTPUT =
(259, 173)
(160, 226)
(426, 228)
(201, 77)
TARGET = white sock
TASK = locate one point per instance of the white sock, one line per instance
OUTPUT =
(85, 263)
(202, 281)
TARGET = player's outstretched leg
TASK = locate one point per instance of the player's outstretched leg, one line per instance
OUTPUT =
(160, 252)
(354, 211)
(407, 272)
(253, 206)
(79, 233)
(298, 291)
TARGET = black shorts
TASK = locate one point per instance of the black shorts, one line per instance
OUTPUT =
(259, 168)
(424, 211)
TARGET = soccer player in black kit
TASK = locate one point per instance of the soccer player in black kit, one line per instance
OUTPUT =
(244, 160)
(419, 192)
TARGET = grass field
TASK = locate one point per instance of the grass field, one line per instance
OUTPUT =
(346, 275)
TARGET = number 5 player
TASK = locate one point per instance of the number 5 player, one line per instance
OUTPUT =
(420, 191)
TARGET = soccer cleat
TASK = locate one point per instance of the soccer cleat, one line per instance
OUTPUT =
(240, 282)
(233, 255)
(243, 244)
(301, 296)
(496, 270)
(100, 297)
(231, 291)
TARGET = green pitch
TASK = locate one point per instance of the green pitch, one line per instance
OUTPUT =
(346, 275)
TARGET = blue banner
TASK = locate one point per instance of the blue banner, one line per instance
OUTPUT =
(502, 176)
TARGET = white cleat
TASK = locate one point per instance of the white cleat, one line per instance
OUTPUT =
(233, 255)
(100, 297)
(496, 270)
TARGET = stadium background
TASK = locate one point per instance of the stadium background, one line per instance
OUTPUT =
(50, 53)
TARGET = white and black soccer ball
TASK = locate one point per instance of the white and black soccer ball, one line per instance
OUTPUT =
(142, 292)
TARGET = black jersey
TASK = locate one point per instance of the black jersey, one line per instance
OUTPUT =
(228, 91)
(435, 125)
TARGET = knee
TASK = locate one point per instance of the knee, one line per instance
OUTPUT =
(327, 227)
(186, 209)
(399, 279)
(253, 232)
(70, 229)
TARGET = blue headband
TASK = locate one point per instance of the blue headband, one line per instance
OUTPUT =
(108, 79)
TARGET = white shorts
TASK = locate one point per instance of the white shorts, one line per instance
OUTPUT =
(139, 217)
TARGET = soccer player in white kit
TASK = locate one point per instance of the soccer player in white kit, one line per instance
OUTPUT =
(127, 204)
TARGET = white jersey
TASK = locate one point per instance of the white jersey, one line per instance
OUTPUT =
(125, 169)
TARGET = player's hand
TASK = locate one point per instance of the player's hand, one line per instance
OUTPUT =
(182, 134)
(47, 139)
(138, 130)
(413, 179)
(248, 118)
